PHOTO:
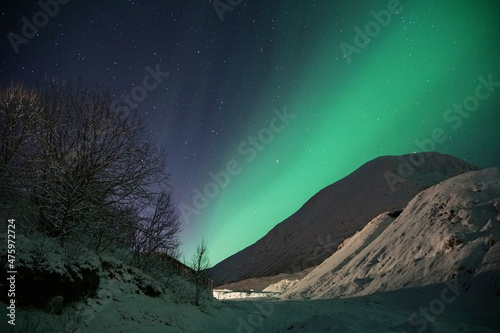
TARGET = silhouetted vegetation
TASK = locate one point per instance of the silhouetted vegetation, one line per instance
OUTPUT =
(72, 167)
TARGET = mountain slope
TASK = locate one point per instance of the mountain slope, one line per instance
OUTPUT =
(336, 212)
(447, 232)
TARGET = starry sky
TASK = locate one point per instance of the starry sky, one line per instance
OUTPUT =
(260, 104)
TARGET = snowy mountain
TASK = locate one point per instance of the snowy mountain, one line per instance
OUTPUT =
(337, 212)
(449, 232)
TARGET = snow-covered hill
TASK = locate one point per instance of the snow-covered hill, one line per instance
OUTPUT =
(313, 233)
(449, 232)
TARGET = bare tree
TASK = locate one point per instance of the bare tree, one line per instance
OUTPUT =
(157, 230)
(200, 262)
(19, 107)
(86, 168)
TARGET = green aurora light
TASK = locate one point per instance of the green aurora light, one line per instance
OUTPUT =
(394, 92)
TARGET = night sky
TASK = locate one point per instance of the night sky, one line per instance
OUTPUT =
(263, 103)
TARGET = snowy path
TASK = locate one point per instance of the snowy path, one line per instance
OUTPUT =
(388, 312)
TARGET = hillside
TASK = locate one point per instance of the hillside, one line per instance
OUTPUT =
(73, 289)
(449, 232)
(313, 233)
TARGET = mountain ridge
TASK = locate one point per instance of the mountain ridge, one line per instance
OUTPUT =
(448, 232)
(336, 212)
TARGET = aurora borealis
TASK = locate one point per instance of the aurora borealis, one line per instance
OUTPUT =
(263, 109)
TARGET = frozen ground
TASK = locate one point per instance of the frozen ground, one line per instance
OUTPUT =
(410, 310)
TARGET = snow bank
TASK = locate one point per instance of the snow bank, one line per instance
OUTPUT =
(231, 294)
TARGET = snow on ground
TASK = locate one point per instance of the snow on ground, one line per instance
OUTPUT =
(121, 309)
(395, 311)
(121, 298)
(120, 305)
